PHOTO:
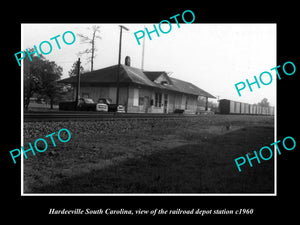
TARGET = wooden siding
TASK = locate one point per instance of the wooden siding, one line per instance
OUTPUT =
(143, 96)
(104, 92)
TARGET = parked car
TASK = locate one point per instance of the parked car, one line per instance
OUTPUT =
(84, 104)
(111, 107)
(102, 107)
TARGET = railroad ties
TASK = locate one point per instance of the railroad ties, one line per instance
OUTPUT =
(62, 116)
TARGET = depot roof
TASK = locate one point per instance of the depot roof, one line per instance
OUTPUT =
(134, 75)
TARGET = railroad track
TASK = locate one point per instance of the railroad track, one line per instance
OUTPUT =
(55, 116)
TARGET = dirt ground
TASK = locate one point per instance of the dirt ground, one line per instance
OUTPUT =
(185, 155)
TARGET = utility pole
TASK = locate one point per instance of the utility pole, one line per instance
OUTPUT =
(78, 83)
(143, 52)
(119, 64)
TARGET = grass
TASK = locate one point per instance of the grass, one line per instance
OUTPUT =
(41, 107)
(185, 156)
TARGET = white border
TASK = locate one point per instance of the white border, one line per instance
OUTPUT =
(22, 115)
(144, 194)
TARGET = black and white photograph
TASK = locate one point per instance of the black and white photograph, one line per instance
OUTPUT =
(132, 111)
(160, 117)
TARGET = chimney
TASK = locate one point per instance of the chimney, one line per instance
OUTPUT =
(127, 61)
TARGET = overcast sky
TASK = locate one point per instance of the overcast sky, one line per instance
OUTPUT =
(214, 57)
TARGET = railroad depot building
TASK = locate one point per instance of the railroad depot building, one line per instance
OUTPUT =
(140, 91)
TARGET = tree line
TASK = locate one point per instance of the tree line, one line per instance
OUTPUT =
(41, 76)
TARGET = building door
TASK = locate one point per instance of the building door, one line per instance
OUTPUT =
(146, 103)
(112, 94)
(165, 103)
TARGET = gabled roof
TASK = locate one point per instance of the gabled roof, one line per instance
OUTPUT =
(134, 75)
(109, 75)
(154, 75)
(187, 87)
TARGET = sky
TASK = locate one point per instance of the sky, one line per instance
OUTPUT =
(212, 56)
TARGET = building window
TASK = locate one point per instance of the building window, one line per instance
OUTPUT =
(158, 98)
(141, 100)
(186, 102)
(135, 97)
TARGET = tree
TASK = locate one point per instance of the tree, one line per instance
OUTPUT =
(87, 40)
(74, 70)
(50, 90)
(264, 103)
(32, 79)
(40, 78)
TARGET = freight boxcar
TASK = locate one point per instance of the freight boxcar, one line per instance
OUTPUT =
(255, 109)
(237, 107)
(242, 108)
(264, 110)
(259, 110)
(247, 108)
(229, 107)
(232, 107)
(251, 109)
(225, 106)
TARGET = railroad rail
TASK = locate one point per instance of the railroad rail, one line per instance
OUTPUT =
(75, 115)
